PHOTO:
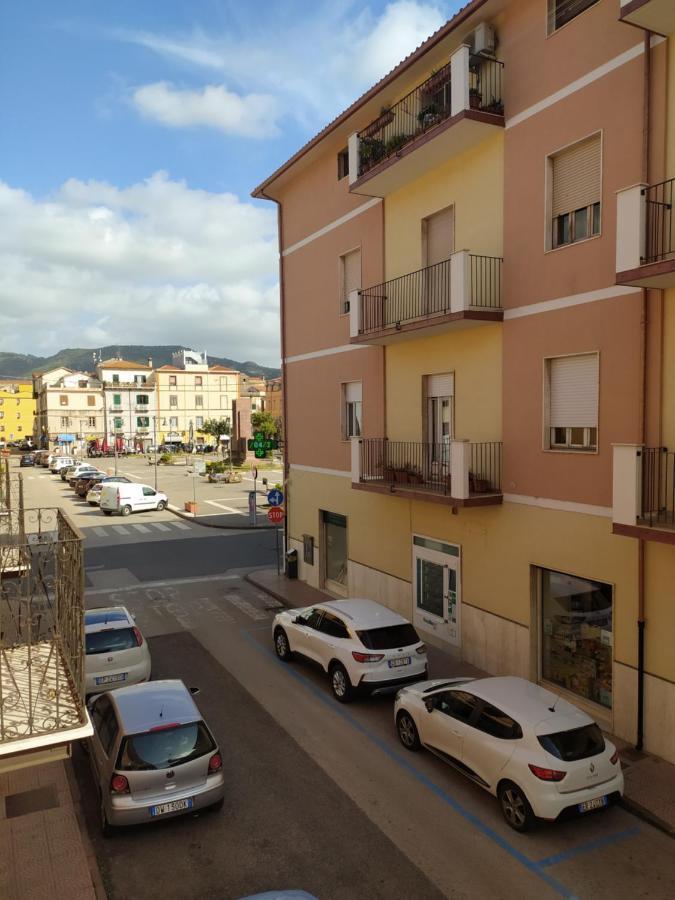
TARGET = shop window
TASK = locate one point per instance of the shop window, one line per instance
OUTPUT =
(335, 551)
(577, 635)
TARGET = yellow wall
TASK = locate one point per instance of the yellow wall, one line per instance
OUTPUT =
(13, 428)
(668, 400)
(473, 182)
(670, 99)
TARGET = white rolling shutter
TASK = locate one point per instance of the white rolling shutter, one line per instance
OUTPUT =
(439, 236)
(441, 385)
(576, 176)
(353, 392)
(351, 272)
(573, 382)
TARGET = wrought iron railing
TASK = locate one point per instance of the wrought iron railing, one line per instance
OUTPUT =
(658, 486)
(660, 241)
(426, 466)
(427, 106)
(425, 294)
(41, 626)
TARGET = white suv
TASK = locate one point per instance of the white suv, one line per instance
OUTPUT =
(538, 754)
(361, 644)
(60, 462)
(116, 653)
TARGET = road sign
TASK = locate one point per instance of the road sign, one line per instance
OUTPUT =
(261, 444)
(275, 497)
(276, 515)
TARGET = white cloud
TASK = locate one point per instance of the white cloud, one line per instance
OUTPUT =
(153, 263)
(251, 115)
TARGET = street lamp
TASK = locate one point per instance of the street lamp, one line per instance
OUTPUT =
(154, 444)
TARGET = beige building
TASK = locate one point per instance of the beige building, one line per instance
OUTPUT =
(129, 403)
(274, 397)
(69, 408)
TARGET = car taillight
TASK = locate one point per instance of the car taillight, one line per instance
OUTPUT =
(422, 649)
(614, 758)
(119, 784)
(215, 763)
(138, 636)
(367, 657)
(546, 774)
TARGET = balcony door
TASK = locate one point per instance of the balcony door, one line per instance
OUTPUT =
(436, 587)
(438, 243)
(440, 391)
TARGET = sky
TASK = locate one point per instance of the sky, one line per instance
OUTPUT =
(131, 136)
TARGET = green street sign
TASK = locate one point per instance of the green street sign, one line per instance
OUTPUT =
(261, 444)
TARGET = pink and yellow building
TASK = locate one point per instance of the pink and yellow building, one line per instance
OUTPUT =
(477, 260)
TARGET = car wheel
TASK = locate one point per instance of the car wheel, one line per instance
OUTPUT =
(160, 505)
(407, 731)
(340, 683)
(515, 806)
(107, 830)
(281, 645)
(107, 512)
(217, 806)
(91, 503)
(126, 510)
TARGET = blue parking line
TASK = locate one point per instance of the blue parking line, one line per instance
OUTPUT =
(533, 867)
(589, 847)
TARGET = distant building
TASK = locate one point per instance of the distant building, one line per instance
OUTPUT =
(17, 410)
(69, 408)
(129, 403)
(274, 397)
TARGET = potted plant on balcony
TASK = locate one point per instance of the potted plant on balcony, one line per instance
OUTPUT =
(414, 475)
(395, 143)
(428, 116)
(401, 475)
(496, 107)
(475, 98)
(371, 150)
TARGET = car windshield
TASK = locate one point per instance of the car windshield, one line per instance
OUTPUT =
(578, 743)
(109, 640)
(389, 637)
(165, 747)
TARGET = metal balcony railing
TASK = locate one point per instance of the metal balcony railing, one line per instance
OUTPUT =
(426, 466)
(659, 239)
(425, 294)
(426, 106)
(658, 486)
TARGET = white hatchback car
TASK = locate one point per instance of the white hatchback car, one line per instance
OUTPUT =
(538, 754)
(363, 645)
(116, 653)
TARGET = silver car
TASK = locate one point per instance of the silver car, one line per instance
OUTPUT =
(153, 755)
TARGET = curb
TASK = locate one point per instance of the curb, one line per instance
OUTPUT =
(637, 809)
(268, 590)
(87, 844)
(190, 518)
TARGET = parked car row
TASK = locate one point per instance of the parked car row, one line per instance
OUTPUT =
(538, 754)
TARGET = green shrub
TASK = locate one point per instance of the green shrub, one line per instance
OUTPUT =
(166, 459)
(212, 468)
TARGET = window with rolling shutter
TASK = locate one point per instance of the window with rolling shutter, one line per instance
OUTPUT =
(572, 408)
(576, 191)
(352, 409)
(560, 12)
(350, 268)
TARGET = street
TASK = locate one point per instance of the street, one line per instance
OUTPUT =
(320, 797)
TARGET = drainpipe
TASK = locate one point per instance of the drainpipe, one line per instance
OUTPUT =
(643, 403)
(284, 399)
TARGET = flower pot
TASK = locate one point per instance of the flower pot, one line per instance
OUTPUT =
(475, 100)
(191, 507)
(400, 476)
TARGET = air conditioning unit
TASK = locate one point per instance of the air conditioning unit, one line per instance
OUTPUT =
(484, 40)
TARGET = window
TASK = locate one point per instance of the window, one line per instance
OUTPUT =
(313, 620)
(578, 743)
(199, 400)
(350, 277)
(173, 746)
(575, 192)
(224, 402)
(173, 422)
(438, 236)
(143, 422)
(173, 400)
(334, 541)
(110, 640)
(224, 385)
(63, 399)
(148, 492)
(119, 423)
(172, 381)
(199, 421)
(333, 626)
(572, 402)
(142, 399)
(116, 379)
(91, 421)
(105, 723)
(495, 722)
(389, 637)
(91, 400)
(352, 410)
(83, 383)
(560, 12)
(117, 399)
(457, 704)
(19, 428)
(198, 380)
(140, 379)
(576, 635)
(343, 163)
(65, 421)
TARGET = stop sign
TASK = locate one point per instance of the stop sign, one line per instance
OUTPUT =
(276, 515)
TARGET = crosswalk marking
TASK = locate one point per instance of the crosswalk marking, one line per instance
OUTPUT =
(101, 532)
(160, 526)
(120, 529)
(139, 527)
(181, 525)
(253, 612)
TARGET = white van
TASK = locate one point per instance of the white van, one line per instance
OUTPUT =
(61, 462)
(122, 498)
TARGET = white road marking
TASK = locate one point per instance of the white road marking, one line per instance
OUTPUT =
(181, 525)
(120, 529)
(160, 526)
(228, 509)
(141, 528)
(251, 611)
(101, 532)
(162, 584)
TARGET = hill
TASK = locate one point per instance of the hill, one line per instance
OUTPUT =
(20, 365)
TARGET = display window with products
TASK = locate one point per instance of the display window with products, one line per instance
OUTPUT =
(576, 637)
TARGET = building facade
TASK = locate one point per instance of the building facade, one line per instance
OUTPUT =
(474, 313)
(69, 409)
(129, 403)
(17, 411)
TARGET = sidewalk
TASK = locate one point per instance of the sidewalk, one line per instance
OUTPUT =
(44, 852)
(650, 781)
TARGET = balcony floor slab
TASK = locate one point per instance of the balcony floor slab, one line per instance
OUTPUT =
(660, 533)
(659, 275)
(429, 495)
(433, 325)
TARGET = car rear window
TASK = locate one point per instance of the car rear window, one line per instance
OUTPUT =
(165, 747)
(578, 743)
(110, 640)
(390, 637)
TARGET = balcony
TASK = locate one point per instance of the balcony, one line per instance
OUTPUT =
(643, 503)
(115, 408)
(461, 291)
(654, 15)
(645, 236)
(142, 408)
(453, 110)
(457, 473)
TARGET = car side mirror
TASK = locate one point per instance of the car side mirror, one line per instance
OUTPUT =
(430, 705)
(194, 690)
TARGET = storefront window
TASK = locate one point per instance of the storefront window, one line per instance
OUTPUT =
(335, 532)
(576, 635)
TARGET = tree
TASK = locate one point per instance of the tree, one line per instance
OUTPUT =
(266, 423)
(216, 427)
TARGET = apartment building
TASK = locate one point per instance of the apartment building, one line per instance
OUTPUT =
(189, 392)
(476, 261)
(274, 403)
(129, 403)
(17, 410)
(69, 409)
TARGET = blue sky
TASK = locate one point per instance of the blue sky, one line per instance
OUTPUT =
(132, 134)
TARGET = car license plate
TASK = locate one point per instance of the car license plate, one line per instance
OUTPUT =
(401, 661)
(588, 805)
(108, 679)
(174, 806)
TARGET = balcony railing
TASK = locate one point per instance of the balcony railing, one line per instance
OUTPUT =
(457, 470)
(427, 106)
(659, 237)
(657, 505)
